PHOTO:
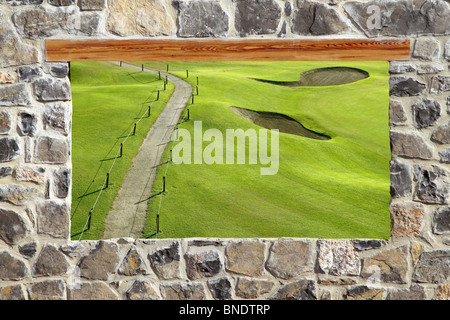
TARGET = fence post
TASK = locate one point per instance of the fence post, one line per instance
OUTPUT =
(121, 149)
(89, 220)
(197, 81)
(149, 111)
(134, 129)
(187, 73)
(164, 184)
(107, 181)
(159, 75)
(157, 225)
(170, 155)
(192, 99)
(120, 63)
(196, 89)
(157, 96)
(167, 67)
(188, 113)
(142, 67)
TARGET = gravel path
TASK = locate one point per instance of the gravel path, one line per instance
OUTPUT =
(127, 216)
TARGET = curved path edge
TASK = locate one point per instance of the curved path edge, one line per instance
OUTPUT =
(128, 214)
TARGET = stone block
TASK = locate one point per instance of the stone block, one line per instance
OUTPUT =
(397, 115)
(245, 257)
(14, 292)
(256, 17)
(92, 5)
(92, 291)
(387, 266)
(426, 113)
(50, 262)
(442, 134)
(132, 264)
(401, 179)
(51, 89)
(427, 49)
(57, 117)
(27, 124)
(433, 186)
(407, 219)
(203, 264)
(364, 293)
(5, 122)
(14, 95)
(338, 257)
(51, 150)
(441, 221)
(183, 291)
(61, 183)
(410, 145)
(405, 87)
(47, 290)
(53, 218)
(12, 227)
(143, 290)
(28, 174)
(28, 73)
(11, 268)
(433, 267)
(302, 289)
(166, 261)
(221, 288)
(439, 84)
(248, 288)
(9, 149)
(100, 262)
(17, 194)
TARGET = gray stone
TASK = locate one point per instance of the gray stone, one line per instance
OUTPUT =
(220, 288)
(256, 17)
(50, 89)
(363, 293)
(12, 293)
(27, 124)
(248, 288)
(53, 218)
(433, 267)
(441, 221)
(400, 18)
(444, 156)
(427, 49)
(405, 87)
(440, 84)
(429, 69)
(28, 250)
(245, 257)
(14, 95)
(415, 292)
(288, 8)
(433, 186)
(132, 264)
(183, 291)
(56, 117)
(338, 257)
(16, 194)
(314, 18)
(28, 73)
(426, 113)
(142, 290)
(302, 289)
(5, 122)
(400, 68)
(51, 150)
(91, 5)
(401, 179)
(387, 266)
(203, 264)
(27, 174)
(62, 183)
(290, 258)
(14, 51)
(166, 262)
(447, 50)
(442, 134)
(100, 262)
(282, 32)
(12, 227)
(9, 149)
(5, 171)
(23, 2)
(202, 19)
(409, 145)
(59, 70)
(92, 291)
(50, 262)
(397, 115)
(362, 245)
(11, 268)
(61, 3)
(47, 290)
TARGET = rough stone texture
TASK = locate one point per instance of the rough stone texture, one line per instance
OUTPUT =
(5, 172)
(92, 5)
(410, 145)
(433, 186)
(443, 292)
(400, 68)
(183, 291)
(439, 84)
(50, 262)
(256, 17)
(14, 95)
(387, 266)
(414, 293)
(433, 267)
(28, 73)
(401, 179)
(248, 288)
(12, 227)
(444, 156)
(5, 122)
(27, 125)
(47, 290)
(142, 290)
(132, 264)
(338, 257)
(135, 17)
(28, 250)
(11, 268)
(405, 87)
(442, 134)
(61, 3)
(429, 69)
(447, 50)
(441, 221)
(59, 70)
(364, 293)
(12, 293)
(202, 19)
(16, 194)
(92, 291)
(56, 117)
(51, 89)
(53, 218)
(397, 115)
(204, 264)
(245, 257)
(6, 77)
(51, 150)
(303, 289)
(407, 219)
(61, 182)
(100, 262)
(290, 258)
(401, 18)
(28, 174)
(314, 18)
(427, 49)
(426, 113)
(166, 262)
(220, 288)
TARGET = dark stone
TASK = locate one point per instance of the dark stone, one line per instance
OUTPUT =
(433, 267)
(27, 124)
(201, 19)
(9, 149)
(288, 7)
(50, 262)
(29, 74)
(399, 68)
(255, 17)
(47, 290)
(409, 145)
(51, 150)
(5, 122)
(204, 264)
(53, 219)
(442, 134)
(12, 227)
(166, 255)
(433, 186)
(62, 183)
(60, 70)
(220, 288)
(303, 289)
(5, 172)
(401, 180)
(405, 87)
(426, 113)
(50, 89)
(11, 268)
(132, 264)
(56, 117)
(23, 2)
(28, 250)
(397, 115)
(100, 262)
(444, 156)
(441, 221)
(363, 293)
(362, 245)
(282, 32)
(61, 3)
(14, 95)
(440, 84)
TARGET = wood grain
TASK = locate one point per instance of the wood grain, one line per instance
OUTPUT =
(228, 50)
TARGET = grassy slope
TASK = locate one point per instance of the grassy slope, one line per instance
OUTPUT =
(331, 189)
(107, 101)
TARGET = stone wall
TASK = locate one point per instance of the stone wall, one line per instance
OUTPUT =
(37, 258)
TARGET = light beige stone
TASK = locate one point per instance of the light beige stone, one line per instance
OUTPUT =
(338, 257)
(246, 257)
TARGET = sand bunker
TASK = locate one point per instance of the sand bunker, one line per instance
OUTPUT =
(324, 77)
(272, 120)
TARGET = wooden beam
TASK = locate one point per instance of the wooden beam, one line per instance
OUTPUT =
(228, 50)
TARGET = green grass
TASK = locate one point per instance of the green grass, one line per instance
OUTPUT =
(324, 189)
(107, 101)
